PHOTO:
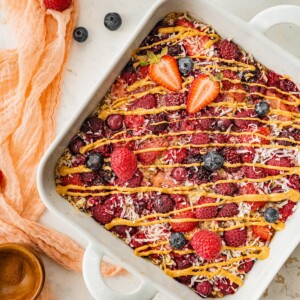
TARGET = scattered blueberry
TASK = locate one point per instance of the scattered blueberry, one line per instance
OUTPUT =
(262, 108)
(94, 161)
(271, 215)
(112, 21)
(75, 144)
(115, 122)
(213, 161)
(177, 240)
(80, 34)
(185, 65)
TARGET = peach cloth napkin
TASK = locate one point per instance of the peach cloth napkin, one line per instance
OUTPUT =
(30, 86)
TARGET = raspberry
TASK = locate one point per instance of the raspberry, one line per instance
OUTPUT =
(225, 286)
(125, 144)
(92, 178)
(133, 182)
(246, 266)
(223, 124)
(163, 204)
(180, 201)
(121, 230)
(273, 79)
(254, 172)
(236, 237)
(136, 240)
(207, 244)
(204, 124)
(159, 118)
(173, 99)
(133, 121)
(287, 85)
(78, 160)
(228, 50)
(129, 75)
(174, 50)
(278, 162)
(231, 155)
(186, 125)
(208, 212)
(246, 113)
(286, 210)
(123, 163)
(204, 288)
(59, 5)
(248, 189)
(92, 124)
(146, 102)
(103, 213)
(147, 158)
(228, 210)
(75, 144)
(74, 179)
(263, 232)
(220, 138)
(294, 181)
(226, 189)
(200, 139)
(175, 156)
(248, 156)
(181, 265)
(184, 226)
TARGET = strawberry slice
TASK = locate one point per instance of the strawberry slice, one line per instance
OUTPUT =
(195, 45)
(164, 71)
(203, 91)
(263, 232)
(185, 23)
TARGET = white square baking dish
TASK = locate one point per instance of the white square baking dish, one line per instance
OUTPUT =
(249, 36)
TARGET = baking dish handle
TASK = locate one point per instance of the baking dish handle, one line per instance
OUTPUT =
(276, 15)
(97, 287)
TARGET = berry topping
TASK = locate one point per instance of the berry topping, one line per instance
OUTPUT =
(246, 266)
(186, 65)
(112, 21)
(287, 210)
(173, 99)
(263, 232)
(262, 108)
(103, 213)
(200, 139)
(223, 124)
(203, 91)
(184, 226)
(213, 161)
(228, 210)
(203, 288)
(179, 174)
(271, 215)
(235, 237)
(175, 156)
(133, 121)
(80, 34)
(123, 163)
(226, 188)
(59, 5)
(75, 144)
(133, 182)
(163, 204)
(94, 161)
(207, 212)
(146, 102)
(74, 179)
(93, 125)
(115, 122)
(164, 71)
(225, 286)
(177, 240)
(207, 244)
(228, 50)
(147, 158)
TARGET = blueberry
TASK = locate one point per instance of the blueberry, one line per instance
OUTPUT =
(262, 108)
(94, 161)
(213, 161)
(112, 21)
(271, 215)
(80, 34)
(177, 240)
(185, 65)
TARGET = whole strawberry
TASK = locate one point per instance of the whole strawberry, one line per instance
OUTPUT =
(123, 163)
(59, 5)
(207, 244)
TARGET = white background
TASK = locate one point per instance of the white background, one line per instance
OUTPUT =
(69, 285)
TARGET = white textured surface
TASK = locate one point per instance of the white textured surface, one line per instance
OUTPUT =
(68, 285)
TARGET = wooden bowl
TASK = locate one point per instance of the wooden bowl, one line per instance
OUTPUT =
(23, 278)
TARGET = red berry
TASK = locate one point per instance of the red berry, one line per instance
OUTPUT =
(235, 237)
(294, 181)
(246, 113)
(248, 155)
(142, 72)
(200, 139)
(74, 179)
(133, 182)
(204, 288)
(208, 212)
(92, 124)
(231, 155)
(226, 189)
(147, 158)
(129, 75)
(58, 5)
(172, 99)
(254, 172)
(134, 121)
(225, 286)
(263, 232)
(146, 102)
(207, 244)
(121, 230)
(103, 213)
(228, 50)
(246, 265)
(228, 210)
(123, 163)
(179, 174)
(287, 210)
(175, 156)
(75, 144)
(277, 162)
(223, 124)
(204, 124)
(163, 204)
(184, 226)
(115, 121)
